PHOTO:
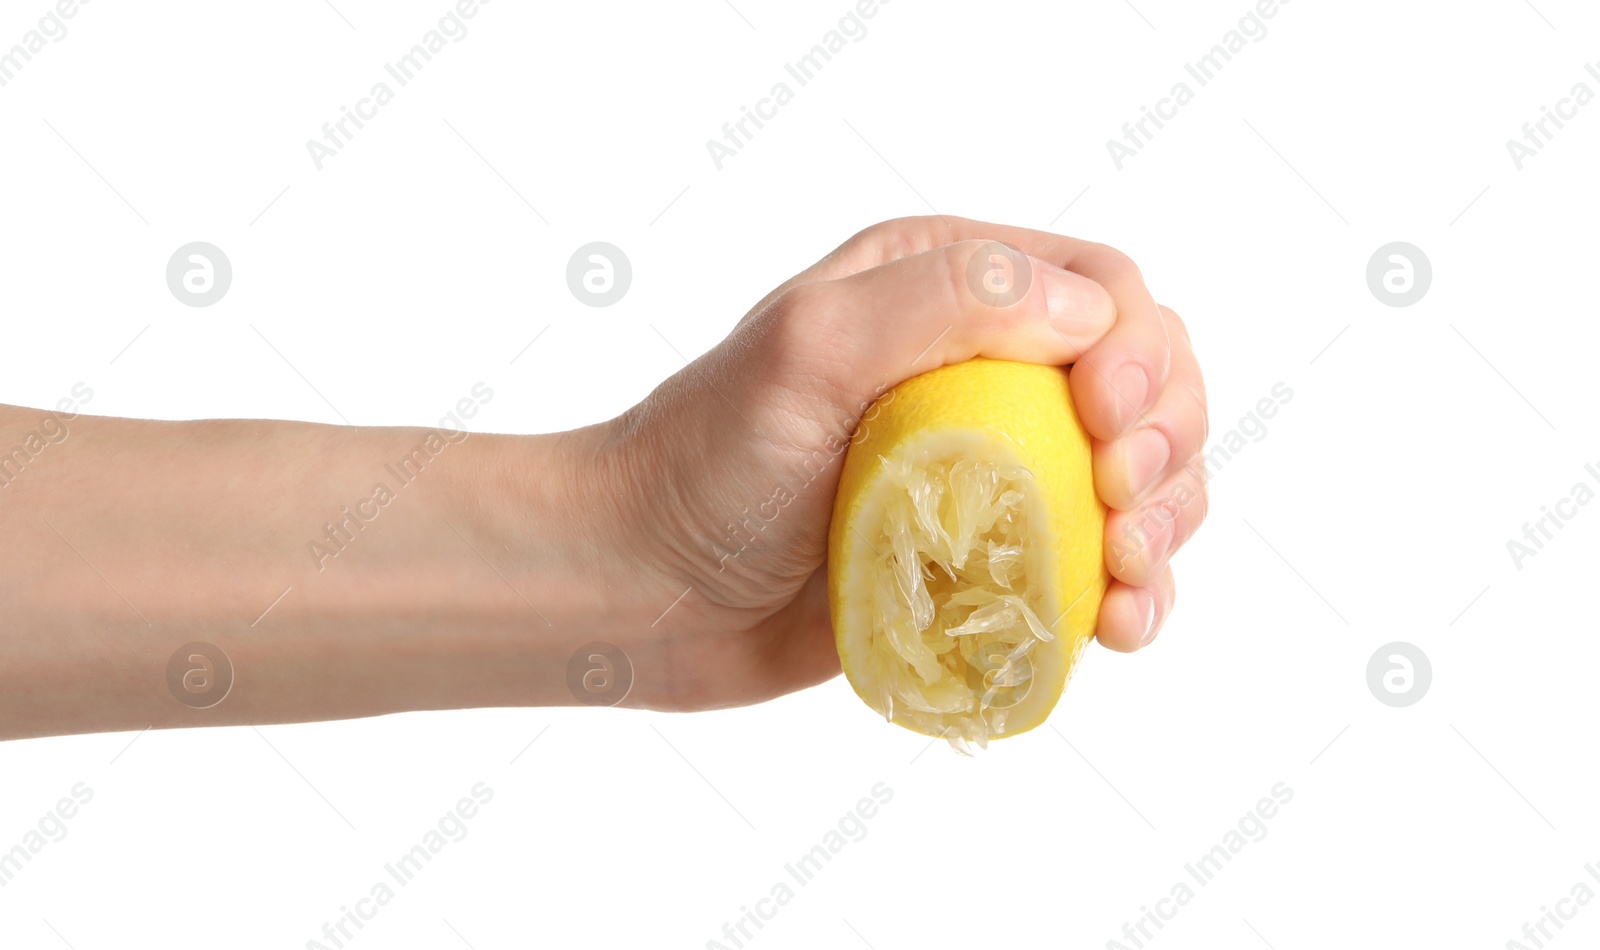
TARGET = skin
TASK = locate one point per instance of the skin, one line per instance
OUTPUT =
(477, 582)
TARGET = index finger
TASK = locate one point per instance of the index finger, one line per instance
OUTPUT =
(1116, 381)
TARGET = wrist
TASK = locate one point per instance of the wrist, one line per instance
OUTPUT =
(560, 518)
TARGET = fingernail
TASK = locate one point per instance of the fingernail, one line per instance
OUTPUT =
(1147, 615)
(1145, 453)
(1131, 386)
(1062, 291)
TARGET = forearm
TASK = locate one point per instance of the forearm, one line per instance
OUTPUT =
(344, 571)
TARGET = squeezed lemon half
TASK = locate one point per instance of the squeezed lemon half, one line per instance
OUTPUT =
(965, 564)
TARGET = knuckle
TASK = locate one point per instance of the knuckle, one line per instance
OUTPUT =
(954, 261)
(810, 332)
(1193, 425)
(1175, 325)
(893, 239)
(799, 318)
(804, 303)
(1118, 259)
(1197, 394)
(1199, 506)
(875, 234)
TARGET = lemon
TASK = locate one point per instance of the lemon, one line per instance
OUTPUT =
(965, 564)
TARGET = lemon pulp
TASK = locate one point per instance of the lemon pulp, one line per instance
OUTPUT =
(954, 618)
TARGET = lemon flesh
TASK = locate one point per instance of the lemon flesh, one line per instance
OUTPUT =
(965, 552)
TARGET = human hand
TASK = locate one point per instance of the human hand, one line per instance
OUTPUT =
(721, 483)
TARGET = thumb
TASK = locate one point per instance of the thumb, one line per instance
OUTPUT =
(886, 324)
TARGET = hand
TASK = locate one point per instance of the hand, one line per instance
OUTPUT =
(691, 531)
(723, 479)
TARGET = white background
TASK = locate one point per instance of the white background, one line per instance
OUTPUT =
(1376, 507)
